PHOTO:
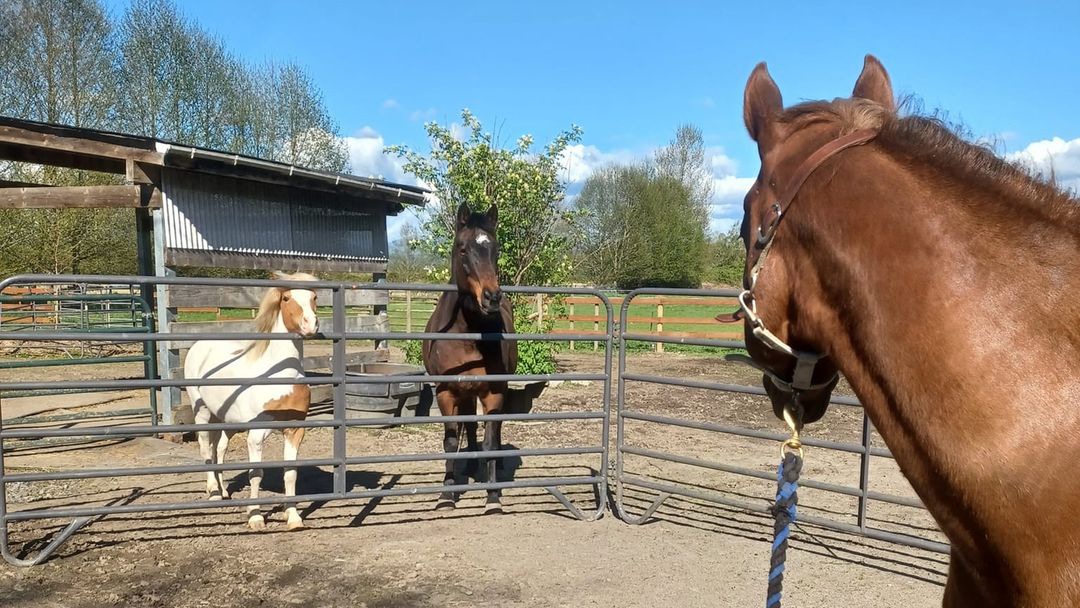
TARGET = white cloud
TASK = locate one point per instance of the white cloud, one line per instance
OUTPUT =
(580, 161)
(367, 159)
(1058, 155)
(390, 104)
(418, 115)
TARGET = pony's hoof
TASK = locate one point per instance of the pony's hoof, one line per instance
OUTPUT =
(256, 522)
(493, 508)
(445, 503)
(295, 525)
(214, 496)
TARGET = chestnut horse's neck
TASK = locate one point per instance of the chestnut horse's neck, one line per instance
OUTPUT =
(954, 313)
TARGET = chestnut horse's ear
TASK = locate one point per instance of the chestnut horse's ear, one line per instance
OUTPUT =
(874, 84)
(493, 216)
(463, 213)
(761, 102)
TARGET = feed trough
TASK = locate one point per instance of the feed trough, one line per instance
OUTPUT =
(386, 399)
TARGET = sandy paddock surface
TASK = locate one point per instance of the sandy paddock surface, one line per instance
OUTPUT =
(398, 551)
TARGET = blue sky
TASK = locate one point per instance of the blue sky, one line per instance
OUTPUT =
(630, 72)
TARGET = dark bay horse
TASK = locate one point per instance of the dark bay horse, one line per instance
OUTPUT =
(944, 283)
(478, 306)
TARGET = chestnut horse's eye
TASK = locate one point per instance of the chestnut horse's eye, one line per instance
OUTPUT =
(286, 298)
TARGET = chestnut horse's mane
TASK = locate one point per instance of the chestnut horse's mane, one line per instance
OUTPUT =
(928, 140)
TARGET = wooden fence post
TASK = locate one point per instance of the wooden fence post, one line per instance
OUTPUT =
(660, 324)
(571, 323)
(408, 311)
(539, 310)
(596, 324)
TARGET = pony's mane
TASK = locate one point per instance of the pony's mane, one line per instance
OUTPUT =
(269, 308)
(929, 140)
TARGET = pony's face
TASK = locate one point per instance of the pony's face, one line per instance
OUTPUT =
(298, 311)
(476, 258)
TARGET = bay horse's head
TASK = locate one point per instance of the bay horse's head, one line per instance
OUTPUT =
(475, 259)
(798, 375)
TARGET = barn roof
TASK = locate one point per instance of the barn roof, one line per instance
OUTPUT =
(98, 150)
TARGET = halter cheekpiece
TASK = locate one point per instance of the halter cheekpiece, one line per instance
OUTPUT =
(805, 362)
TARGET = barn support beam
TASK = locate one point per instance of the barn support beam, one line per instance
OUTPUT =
(165, 314)
(82, 197)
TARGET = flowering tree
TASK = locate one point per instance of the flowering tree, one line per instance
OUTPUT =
(535, 231)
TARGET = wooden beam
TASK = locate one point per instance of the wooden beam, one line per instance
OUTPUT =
(194, 296)
(80, 141)
(250, 261)
(356, 323)
(59, 158)
(83, 197)
(326, 361)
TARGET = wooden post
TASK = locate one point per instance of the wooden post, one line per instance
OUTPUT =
(380, 310)
(660, 324)
(408, 311)
(539, 310)
(571, 323)
(596, 324)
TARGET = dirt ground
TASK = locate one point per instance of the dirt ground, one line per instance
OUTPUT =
(398, 552)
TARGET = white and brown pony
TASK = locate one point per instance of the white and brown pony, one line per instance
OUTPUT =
(282, 311)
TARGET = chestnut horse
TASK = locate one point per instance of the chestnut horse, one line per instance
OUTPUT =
(944, 283)
(281, 311)
(478, 306)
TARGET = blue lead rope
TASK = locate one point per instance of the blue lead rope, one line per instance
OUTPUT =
(787, 497)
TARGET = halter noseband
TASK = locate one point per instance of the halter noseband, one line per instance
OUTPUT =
(803, 377)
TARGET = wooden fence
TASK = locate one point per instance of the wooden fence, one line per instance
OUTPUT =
(686, 317)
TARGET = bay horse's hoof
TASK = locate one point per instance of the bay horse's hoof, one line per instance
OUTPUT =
(445, 503)
(493, 507)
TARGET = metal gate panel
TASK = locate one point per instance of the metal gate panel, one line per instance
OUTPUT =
(664, 490)
(338, 380)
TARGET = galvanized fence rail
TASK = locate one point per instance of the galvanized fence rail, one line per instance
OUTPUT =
(81, 312)
(665, 489)
(340, 423)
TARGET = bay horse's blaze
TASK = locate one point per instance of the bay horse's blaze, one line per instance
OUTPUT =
(281, 311)
(942, 281)
(478, 306)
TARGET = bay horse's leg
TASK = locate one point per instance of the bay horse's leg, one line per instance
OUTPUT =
(256, 438)
(293, 437)
(493, 404)
(471, 465)
(451, 442)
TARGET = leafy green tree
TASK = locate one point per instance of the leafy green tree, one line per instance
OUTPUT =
(728, 257)
(535, 231)
(646, 224)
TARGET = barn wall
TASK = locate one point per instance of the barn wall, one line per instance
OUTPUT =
(206, 213)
